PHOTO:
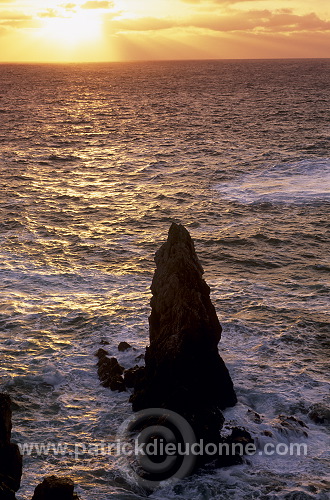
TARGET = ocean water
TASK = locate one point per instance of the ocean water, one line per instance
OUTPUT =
(96, 162)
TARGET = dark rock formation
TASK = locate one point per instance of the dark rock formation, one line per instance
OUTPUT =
(254, 416)
(319, 413)
(5, 420)
(267, 433)
(10, 457)
(133, 375)
(123, 346)
(55, 488)
(52, 488)
(5, 492)
(110, 372)
(291, 425)
(237, 443)
(184, 371)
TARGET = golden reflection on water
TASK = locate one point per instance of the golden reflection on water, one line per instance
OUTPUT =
(98, 170)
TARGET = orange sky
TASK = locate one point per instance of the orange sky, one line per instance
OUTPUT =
(92, 30)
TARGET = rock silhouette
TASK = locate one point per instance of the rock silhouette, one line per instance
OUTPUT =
(124, 346)
(109, 371)
(55, 488)
(10, 457)
(183, 369)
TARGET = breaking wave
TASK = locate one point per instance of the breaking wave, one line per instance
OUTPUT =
(305, 181)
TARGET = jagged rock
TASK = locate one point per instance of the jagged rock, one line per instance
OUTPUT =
(5, 420)
(55, 488)
(10, 457)
(319, 413)
(184, 371)
(287, 425)
(123, 346)
(133, 375)
(110, 372)
(254, 416)
(6, 493)
(268, 433)
(237, 442)
(11, 466)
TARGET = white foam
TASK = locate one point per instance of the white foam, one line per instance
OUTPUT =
(51, 375)
(305, 181)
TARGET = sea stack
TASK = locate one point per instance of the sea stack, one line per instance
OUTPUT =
(10, 457)
(183, 369)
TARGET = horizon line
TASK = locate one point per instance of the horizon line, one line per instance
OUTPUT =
(171, 60)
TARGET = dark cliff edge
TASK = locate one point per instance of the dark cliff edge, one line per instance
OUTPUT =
(10, 457)
(11, 460)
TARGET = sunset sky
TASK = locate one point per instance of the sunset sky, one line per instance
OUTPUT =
(91, 30)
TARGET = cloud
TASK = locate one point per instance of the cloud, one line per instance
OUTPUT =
(15, 16)
(282, 21)
(292, 22)
(209, 3)
(69, 6)
(94, 4)
(49, 13)
(14, 20)
(262, 19)
(144, 24)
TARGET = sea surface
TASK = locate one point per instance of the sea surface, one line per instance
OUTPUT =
(96, 162)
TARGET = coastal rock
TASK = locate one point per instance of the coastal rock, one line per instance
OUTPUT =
(236, 444)
(291, 425)
(110, 372)
(133, 375)
(10, 457)
(124, 346)
(55, 488)
(183, 369)
(254, 416)
(267, 433)
(6, 493)
(11, 466)
(5, 420)
(319, 413)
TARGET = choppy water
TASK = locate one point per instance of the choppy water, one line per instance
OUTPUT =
(96, 161)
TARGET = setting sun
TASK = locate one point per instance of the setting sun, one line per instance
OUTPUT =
(78, 28)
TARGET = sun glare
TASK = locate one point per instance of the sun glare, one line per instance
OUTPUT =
(79, 28)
